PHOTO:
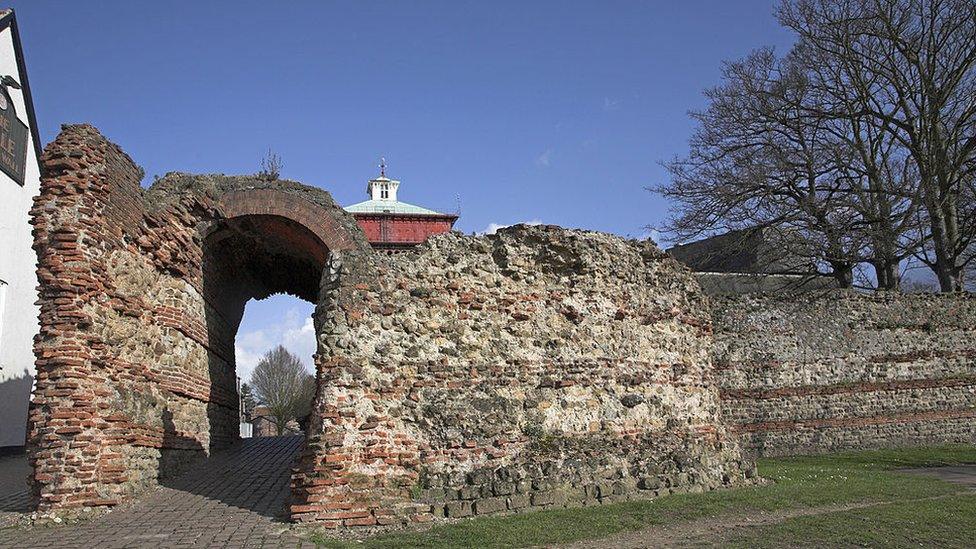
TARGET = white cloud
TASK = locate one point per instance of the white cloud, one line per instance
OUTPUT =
(296, 333)
(492, 228)
(255, 339)
(545, 158)
(301, 341)
(247, 360)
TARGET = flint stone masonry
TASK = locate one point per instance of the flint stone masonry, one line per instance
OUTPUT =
(532, 368)
(535, 367)
(820, 371)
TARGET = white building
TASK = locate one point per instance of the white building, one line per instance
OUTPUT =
(19, 184)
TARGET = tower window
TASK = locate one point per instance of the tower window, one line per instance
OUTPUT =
(384, 191)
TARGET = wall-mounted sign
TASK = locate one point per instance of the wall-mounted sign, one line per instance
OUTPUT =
(13, 140)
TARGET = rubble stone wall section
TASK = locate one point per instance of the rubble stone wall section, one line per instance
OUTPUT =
(820, 371)
(532, 368)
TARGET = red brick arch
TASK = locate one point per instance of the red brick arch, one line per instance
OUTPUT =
(141, 296)
(315, 217)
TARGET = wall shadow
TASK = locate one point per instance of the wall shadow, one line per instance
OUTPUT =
(15, 470)
(253, 474)
(15, 395)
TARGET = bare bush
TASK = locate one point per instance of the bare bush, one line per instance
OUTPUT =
(271, 166)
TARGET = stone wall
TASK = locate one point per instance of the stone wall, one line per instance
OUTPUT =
(88, 436)
(815, 372)
(141, 294)
(531, 368)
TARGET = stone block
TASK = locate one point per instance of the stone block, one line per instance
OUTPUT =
(458, 509)
(489, 505)
(544, 498)
(500, 488)
(519, 501)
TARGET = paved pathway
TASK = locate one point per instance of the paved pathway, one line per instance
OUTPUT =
(235, 499)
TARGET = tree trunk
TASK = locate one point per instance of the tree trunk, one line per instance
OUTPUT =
(843, 273)
(943, 237)
(886, 272)
(944, 266)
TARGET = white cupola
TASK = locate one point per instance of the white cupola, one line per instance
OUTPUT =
(382, 187)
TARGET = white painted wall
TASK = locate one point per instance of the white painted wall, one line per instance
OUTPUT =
(18, 263)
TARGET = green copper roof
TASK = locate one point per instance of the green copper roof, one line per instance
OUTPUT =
(389, 206)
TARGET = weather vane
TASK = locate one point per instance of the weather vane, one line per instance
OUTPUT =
(382, 166)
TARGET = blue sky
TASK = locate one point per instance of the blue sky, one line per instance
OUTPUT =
(550, 111)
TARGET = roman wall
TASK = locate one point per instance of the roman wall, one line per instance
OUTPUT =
(533, 368)
(141, 292)
(536, 367)
(805, 372)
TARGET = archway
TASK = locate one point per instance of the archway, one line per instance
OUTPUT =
(141, 294)
(246, 258)
(251, 257)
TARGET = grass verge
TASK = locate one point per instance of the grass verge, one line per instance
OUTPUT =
(799, 483)
(943, 522)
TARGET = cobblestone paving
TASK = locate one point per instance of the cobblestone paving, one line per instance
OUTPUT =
(235, 499)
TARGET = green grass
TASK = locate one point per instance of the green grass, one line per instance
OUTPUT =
(800, 482)
(945, 522)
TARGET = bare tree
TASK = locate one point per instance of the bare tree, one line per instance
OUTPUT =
(271, 166)
(759, 158)
(881, 185)
(283, 384)
(908, 68)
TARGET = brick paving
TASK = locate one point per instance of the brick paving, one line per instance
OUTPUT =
(235, 499)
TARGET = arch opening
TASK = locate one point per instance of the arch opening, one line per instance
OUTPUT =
(248, 258)
(244, 258)
(278, 320)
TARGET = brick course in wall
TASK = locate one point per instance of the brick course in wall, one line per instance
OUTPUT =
(819, 371)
